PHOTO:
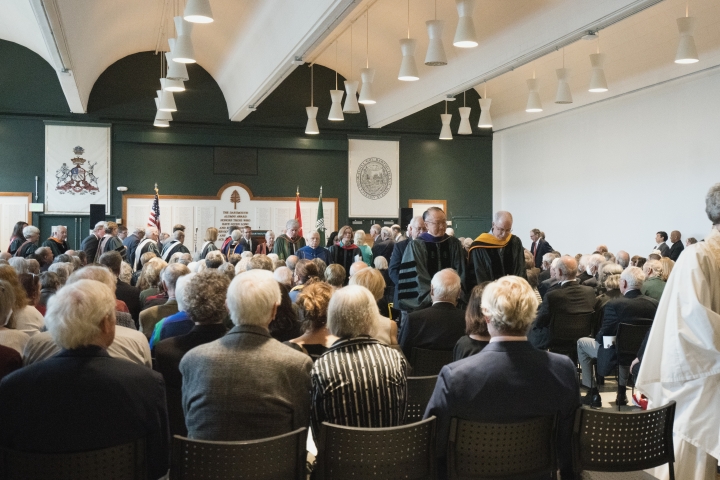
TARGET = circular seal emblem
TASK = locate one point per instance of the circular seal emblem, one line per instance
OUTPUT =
(374, 178)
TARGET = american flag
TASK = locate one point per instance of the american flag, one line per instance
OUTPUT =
(154, 219)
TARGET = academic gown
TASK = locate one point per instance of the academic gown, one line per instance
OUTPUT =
(344, 255)
(284, 247)
(487, 264)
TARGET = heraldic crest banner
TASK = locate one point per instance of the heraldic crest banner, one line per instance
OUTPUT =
(373, 178)
(77, 167)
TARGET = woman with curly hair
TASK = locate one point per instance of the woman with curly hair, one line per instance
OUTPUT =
(313, 304)
(25, 317)
(305, 273)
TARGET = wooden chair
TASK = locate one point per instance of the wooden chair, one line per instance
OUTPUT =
(566, 330)
(123, 462)
(283, 456)
(419, 391)
(478, 450)
(406, 452)
(429, 362)
(631, 441)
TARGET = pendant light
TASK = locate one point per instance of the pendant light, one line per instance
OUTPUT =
(336, 113)
(598, 84)
(465, 36)
(198, 11)
(464, 128)
(408, 69)
(176, 70)
(445, 132)
(160, 115)
(312, 126)
(563, 95)
(686, 51)
(161, 123)
(435, 56)
(367, 74)
(184, 51)
(351, 86)
(167, 101)
(533, 104)
(485, 120)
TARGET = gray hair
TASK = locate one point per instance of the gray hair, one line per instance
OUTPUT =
(500, 214)
(236, 235)
(63, 270)
(55, 229)
(380, 263)
(94, 272)
(100, 225)
(712, 204)
(73, 318)
(178, 235)
(622, 258)
(269, 232)
(634, 277)
(510, 304)
(567, 267)
(446, 285)
(292, 224)
(138, 230)
(283, 275)
(359, 237)
(172, 272)
(386, 232)
(29, 231)
(19, 264)
(653, 268)
(607, 270)
(150, 230)
(549, 257)
(352, 312)
(251, 298)
(595, 260)
(125, 272)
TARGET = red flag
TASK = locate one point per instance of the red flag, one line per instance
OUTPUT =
(298, 215)
(154, 219)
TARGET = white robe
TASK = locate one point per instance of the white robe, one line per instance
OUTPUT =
(682, 359)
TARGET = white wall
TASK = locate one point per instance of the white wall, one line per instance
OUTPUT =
(617, 171)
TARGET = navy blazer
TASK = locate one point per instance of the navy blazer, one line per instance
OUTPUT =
(394, 267)
(437, 327)
(543, 247)
(508, 382)
(83, 399)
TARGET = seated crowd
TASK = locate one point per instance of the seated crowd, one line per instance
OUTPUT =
(135, 337)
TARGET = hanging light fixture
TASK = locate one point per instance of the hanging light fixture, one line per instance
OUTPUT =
(435, 56)
(184, 51)
(172, 85)
(176, 70)
(598, 84)
(533, 104)
(351, 86)
(167, 101)
(465, 36)
(336, 113)
(312, 126)
(485, 120)
(464, 128)
(367, 74)
(198, 11)
(408, 69)
(445, 132)
(686, 51)
(160, 115)
(563, 95)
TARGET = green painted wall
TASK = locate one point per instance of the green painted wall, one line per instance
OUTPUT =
(180, 159)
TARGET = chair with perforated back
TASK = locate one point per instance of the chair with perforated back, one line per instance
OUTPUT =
(429, 362)
(481, 450)
(123, 462)
(609, 441)
(566, 330)
(283, 456)
(419, 391)
(406, 452)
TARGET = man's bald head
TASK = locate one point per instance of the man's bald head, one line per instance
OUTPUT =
(416, 227)
(675, 236)
(567, 268)
(445, 286)
(502, 224)
(356, 267)
(622, 258)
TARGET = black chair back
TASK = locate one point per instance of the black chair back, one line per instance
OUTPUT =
(283, 456)
(566, 330)
(629, 338)
(429, 362)
(419, 391)
(499, 450)
(628, 441)
(406, 452)
(123, 462)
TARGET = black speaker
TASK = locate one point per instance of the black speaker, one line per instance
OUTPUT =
(406, 215)
(97, 214)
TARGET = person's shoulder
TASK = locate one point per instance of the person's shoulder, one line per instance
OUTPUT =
(129, 333)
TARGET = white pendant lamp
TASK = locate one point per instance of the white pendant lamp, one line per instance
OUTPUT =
(485, 119)
(445, 132)
(686, 51)
(184, 51)
(312, 126)
(161, 123)
(533, 104)
(160, 115)
(367, 74)
(435, 56)
(465, 36)
(464, 128)
(174, 85)
(198, 11)
(336, 113)
(167, 101)
(598, 84)
(563, 95)
(408, 69)
(175, 70)
(351, 86)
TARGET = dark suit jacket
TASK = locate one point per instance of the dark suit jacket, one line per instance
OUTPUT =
(675, 251)
(479, 388)
(437, 327)
(90, 245)
(625, 309)
(383, 249)
(543, 247)
(168, 354)
(543, 275)
(131, 296)
(546, 285)
(664, 249)
(570, 298)
(131, 242)
(394, 267)
(83, 399)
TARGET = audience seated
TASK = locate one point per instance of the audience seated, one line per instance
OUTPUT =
(127, 293)
(261, 262)
(179, 323)
(149, 281)
(477, 336)
(25, 317)
(285, 325)
(169, 277)
(284, 276)
(667, 268)
(509, 381)
(9, 336)
(291, 262)
(19, 264)
(104, 401)
(552, 282)
(227, 383)
(31, 285)
(387, 330)
(653, 285)
(312, 305)
(305, 272)
(352, 315)
(104, 276)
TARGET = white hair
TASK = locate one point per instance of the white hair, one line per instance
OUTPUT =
(634, 277)
(359, 237)
(251, 298)
(62, 269)
(712, 204)
(269, 232)
(73, 317)
(292, 224)
(273, 256)
(283, 275)
(380, 263)
(101, 225)
(97, 273)
(446, 285)
(193, 267)
(19, 264)
(510, 304)
(172, 272)
(500, 214)
(653, 268)
(246, 254)
(180, 290)
(29, 231)
(242, 265)
(352, 312)
(236, 235)
(450, 231)
(386, 232)
(149, 231)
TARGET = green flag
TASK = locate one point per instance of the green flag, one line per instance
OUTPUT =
(320, 222)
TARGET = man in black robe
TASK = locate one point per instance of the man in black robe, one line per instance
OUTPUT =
(57, 243)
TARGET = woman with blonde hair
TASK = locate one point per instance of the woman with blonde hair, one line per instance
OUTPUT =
(211, 235)
(312, 304)
(25, 317)
(345, 251)
(149, 281)
(667, 267)
(371, 279)
(9, 336)
(367, 255)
